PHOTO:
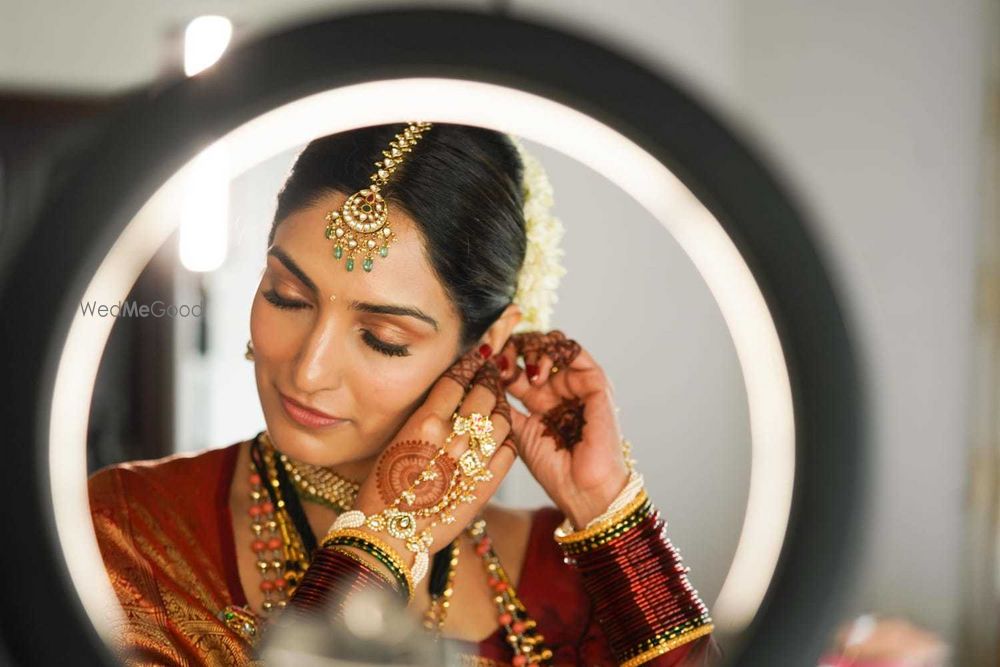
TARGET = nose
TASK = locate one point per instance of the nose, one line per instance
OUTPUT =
(319, 364)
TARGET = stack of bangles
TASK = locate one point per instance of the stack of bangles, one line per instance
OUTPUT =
(637, 582)
(337, 572)
(337, 569)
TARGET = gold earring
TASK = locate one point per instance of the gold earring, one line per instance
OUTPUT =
(249, 353)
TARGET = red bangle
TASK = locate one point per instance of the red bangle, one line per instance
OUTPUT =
(333, 577)
(640, 591)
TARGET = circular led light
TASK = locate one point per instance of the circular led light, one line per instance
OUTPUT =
(739, 228)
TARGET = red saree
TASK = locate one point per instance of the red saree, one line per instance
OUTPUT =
(165, 532)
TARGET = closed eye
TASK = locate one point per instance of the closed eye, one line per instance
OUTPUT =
(281, 302)
(380, 345)
(370, 339)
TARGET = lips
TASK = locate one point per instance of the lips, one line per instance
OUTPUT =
(306, 416)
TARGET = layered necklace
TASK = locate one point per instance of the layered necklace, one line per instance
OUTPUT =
(283, 541)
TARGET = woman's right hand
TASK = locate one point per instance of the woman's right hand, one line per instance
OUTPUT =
(471, 385)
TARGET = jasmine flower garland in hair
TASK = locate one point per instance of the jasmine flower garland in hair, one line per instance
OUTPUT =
(542, 270)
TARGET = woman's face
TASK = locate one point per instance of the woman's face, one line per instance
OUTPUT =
(361, 347)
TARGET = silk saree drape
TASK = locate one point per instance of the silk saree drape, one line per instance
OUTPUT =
(165, 533)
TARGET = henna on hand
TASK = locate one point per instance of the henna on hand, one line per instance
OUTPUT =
(489, 376)
(400, 466)
(530, 345)
(510, 442)
(564, 423)
(464, 369)
(563, 352)
(554, 344)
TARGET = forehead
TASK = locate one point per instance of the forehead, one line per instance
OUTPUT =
(404, 277)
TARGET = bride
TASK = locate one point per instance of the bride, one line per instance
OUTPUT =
(408, 282)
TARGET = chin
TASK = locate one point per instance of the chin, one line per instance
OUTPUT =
(319, 447)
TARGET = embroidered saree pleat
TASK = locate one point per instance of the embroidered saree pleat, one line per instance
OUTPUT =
(164, 567)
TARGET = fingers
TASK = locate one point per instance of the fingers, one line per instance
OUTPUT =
(485, 423)
(447, 393)
(545, 366)
(518, 420)
(488, 396)
(499, 465)
(544, 354)
(488, 378)
(506, 361)
(531, 346)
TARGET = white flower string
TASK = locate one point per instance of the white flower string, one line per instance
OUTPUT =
(542, 270)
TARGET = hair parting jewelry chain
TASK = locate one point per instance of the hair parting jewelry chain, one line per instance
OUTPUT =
(362, 223)
(400, 518)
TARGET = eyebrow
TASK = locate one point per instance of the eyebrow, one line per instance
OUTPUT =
(363, 306)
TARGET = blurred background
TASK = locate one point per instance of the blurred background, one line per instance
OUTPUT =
(881, 117)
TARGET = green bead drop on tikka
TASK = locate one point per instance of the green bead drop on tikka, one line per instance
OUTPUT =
(384, 251)
(350, 263)
(338, 252)
(367, 264)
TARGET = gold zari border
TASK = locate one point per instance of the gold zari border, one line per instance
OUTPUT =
(669, 645)
(607, 524)
(612, 534)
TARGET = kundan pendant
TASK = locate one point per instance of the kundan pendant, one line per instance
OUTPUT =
(361, 226)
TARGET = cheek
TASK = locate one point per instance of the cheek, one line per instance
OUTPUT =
(391, 394)
(275, 335)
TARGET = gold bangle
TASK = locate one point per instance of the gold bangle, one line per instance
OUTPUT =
(607, 524)
(610, 535)
(668, 645)
(345, 551)
(387, 550)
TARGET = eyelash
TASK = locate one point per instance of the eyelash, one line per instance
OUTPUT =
(370, 339)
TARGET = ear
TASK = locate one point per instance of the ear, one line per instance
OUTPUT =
(498, 333)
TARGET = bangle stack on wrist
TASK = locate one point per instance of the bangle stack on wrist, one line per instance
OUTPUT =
(638, 585)
(335, 575)
(349, 537)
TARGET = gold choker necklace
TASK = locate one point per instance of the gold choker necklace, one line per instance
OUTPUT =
(317, 483)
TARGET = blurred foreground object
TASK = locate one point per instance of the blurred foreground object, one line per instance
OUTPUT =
(375, 630)
(869, 641)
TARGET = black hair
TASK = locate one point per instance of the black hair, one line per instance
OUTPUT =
(462, 185)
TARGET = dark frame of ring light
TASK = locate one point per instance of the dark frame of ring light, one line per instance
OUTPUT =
(158, 131)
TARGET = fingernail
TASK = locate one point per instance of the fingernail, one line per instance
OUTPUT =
(502, 363)
(532, 371)
(485, 351)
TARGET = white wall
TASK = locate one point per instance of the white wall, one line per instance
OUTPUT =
(874, 111)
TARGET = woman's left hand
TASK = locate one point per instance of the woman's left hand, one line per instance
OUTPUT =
(570, 439)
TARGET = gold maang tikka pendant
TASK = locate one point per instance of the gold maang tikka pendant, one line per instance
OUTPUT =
(361, 226)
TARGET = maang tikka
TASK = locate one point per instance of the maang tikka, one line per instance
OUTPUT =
(361, 226)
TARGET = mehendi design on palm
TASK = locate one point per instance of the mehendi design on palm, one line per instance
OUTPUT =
(405, 461)
(564, 423)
